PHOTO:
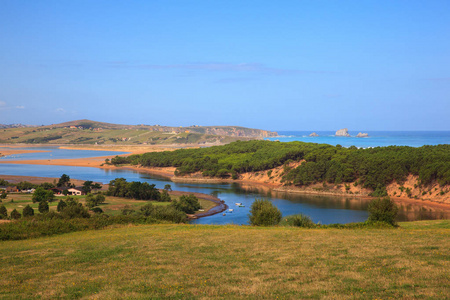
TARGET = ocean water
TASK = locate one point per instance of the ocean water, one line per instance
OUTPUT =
(375, 139)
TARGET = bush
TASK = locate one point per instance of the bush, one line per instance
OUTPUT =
(61, 205)
(28, 211)
(74, 209)
(97, 210)
(3, 212)
(382, 210)
(15, 214)
(164, 213)
(299, 220)
(264, 213)
(165, 196)
(43, 207)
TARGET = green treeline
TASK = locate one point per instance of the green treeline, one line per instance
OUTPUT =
(372, 168)
(119, 187)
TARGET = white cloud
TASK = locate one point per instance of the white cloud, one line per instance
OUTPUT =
(2, 104)
(60, 110)
(20, 107)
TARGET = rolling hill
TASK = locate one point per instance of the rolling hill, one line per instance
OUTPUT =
(93, 132)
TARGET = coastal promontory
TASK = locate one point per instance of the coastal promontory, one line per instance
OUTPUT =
(313, 134)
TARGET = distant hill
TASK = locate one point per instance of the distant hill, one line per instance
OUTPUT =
(15, 125)
(93, 132)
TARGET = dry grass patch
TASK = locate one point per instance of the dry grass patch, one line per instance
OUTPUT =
(201, 262)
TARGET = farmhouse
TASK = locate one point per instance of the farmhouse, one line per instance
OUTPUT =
(76, 191)
(9, 189)
(57, 191)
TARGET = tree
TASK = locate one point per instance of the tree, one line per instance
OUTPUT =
(43, 207)
(41, 194)
(47, 185)
(168, 187)
(87, 186)
(25, 185)
(264, 213)
(28, 211)
(3, 212)
(94, 200)
(3, 195)
(382, 210)
(64, 181)
(15, 214)
(188, 204)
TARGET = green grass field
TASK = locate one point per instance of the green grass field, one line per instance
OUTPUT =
(112, 205)
(231, 262)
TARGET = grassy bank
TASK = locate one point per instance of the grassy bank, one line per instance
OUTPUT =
(187, 261)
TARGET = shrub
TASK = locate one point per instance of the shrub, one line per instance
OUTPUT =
(61, 205)
(28, 211)
(383, 210)
(3, 212)
(15, 214)
(164, 213)
(43, 207)
(264, 213)
(74, 209)
(165, 196)
(380, 191)
(97, 210)
(299, 220)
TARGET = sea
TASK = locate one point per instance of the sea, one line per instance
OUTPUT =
(375, 138)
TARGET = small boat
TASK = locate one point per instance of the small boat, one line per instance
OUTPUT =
(224, 214)
(230, 210)
(238, 204)
(241, 205)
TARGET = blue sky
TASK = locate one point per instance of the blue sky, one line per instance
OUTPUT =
(276, 65)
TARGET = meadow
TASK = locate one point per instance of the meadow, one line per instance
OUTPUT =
(112, 206)
(231, 262)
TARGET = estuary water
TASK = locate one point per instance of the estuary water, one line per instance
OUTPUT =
(323, 209)
(55, 153)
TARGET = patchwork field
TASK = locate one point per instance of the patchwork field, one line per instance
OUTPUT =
(231, 262)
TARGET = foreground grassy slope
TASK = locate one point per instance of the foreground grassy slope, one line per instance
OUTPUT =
(186, 261)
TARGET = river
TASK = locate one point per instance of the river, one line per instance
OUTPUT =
(323, 209)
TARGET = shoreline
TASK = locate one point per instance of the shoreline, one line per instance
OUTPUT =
(98, 162)
(218, 208)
